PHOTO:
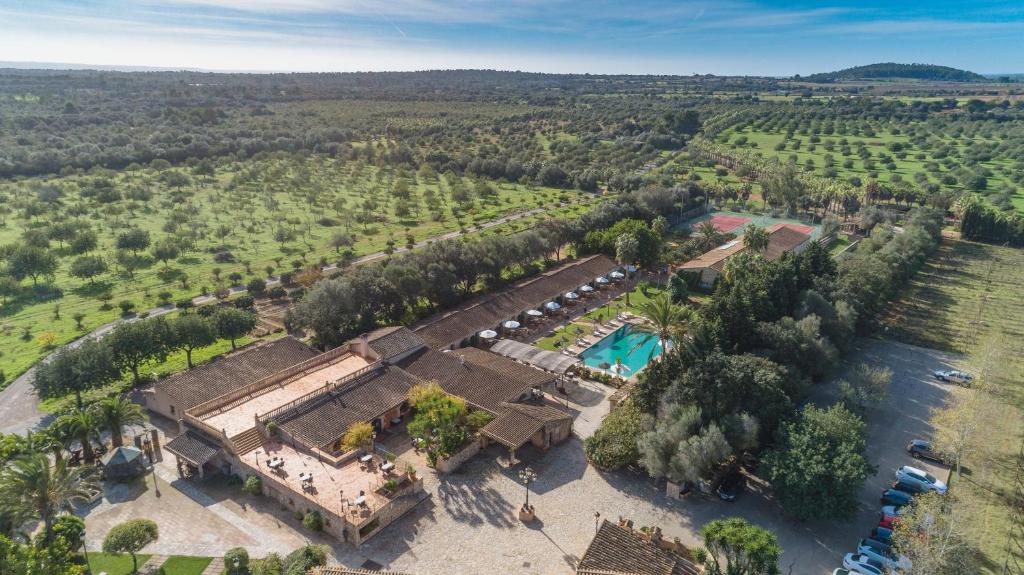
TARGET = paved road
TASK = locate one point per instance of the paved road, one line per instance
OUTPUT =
(19, 406)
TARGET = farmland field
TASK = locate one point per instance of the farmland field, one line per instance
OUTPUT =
(889, 157)
(228, 223)
(967, 299)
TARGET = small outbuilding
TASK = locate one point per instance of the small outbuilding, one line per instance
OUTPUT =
(123, 463)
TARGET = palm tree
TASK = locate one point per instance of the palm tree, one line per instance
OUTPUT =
(755, 239)
(708, 234)
(666, 321)
(627, 247)
(30, 488)
(114, 413)
(82, 425)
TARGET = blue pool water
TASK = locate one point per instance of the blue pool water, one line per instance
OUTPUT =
(619, 345)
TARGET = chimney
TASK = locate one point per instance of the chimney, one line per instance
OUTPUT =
(656, 535)
(364, 346)
(462, 360)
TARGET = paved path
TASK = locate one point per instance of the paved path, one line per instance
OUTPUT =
(152, 564)
(19, 406)
(216, 567)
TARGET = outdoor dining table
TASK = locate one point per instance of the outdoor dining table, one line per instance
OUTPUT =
(275, 462)
(361, 500)
(387, 466)
(305, 477)
(366, 458)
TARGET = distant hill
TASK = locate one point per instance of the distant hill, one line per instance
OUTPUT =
(890, 70)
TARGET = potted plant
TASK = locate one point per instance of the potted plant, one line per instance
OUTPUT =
(411, 472)
(272, 428)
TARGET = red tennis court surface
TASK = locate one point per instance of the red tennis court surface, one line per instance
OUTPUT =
(728, 223)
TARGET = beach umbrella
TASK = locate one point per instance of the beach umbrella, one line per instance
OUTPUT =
(534, 312)
(572, 295)
(510, 324)
(601, 280)
(488, 334)
(552, 306)
(617, 275)
(586, 289)
(604, 365)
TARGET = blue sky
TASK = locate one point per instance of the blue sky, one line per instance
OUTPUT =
(638, 37)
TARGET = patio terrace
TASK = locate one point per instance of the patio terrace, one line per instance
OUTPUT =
(242, 416)
(333, 488)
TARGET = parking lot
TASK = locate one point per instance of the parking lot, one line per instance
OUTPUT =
(892, 424)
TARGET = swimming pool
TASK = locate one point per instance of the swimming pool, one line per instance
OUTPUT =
(619, 345)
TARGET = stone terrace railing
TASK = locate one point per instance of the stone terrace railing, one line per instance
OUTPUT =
(327, 388)
(219, 434)
(233, 398)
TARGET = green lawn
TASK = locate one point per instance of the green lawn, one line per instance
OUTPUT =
(118, 564)
(113, 564)
(179, 565)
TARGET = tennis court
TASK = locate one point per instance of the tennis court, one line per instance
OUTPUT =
(734, 222)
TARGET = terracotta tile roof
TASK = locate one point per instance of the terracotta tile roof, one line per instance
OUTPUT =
(486, 312)
(322, 420)
(387, 342)
(210, 380)
(781, 239)
(521, 421)
(619, 550)
(505, 365)
(481, 387)
(194, 446)
(716, 255)
(350, 571)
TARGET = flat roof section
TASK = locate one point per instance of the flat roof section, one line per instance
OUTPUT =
(243, 416)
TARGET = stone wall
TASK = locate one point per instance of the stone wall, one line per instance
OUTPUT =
(458, 458)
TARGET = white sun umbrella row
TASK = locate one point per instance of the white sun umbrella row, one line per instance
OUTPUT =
(571, 295)
(586, 289)
(617, 275)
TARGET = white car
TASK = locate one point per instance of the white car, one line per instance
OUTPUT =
(862, 564)
(887, 560)
(954, 376)
(927, 481)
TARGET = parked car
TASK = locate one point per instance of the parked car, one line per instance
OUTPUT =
(888, 521)
(862, 564)
(909, 487)
(840, 571)
(922, 449)
(878, 546)
(882, 534)
(954, 376)
(895, 497)
(927, 481)
(731, 486)
(886, 560)
(894, 510)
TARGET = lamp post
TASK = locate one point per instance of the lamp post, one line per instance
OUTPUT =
(527, 475)
(597, 521)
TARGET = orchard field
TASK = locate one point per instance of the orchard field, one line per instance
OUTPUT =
(159, 234)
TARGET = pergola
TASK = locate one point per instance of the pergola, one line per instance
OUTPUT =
(193, 449)
(549, 361)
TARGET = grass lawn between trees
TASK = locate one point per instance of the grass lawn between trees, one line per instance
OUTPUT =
(238, 210)
(967, 300)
